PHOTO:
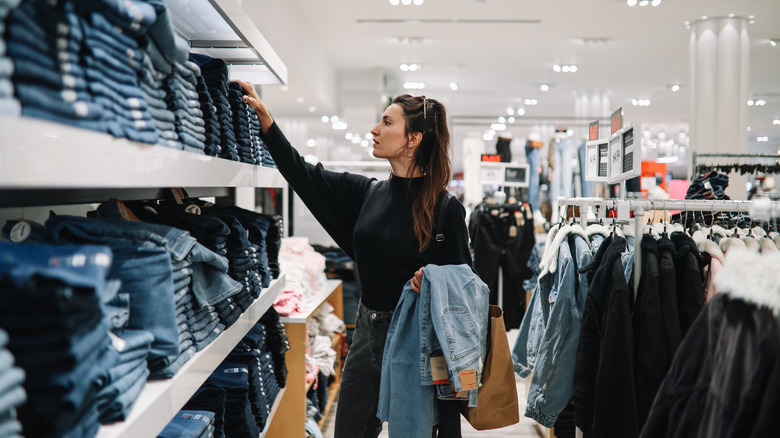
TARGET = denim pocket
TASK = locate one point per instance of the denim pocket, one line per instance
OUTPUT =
(461, 331)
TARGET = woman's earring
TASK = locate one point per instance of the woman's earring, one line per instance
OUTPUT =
(408, 152)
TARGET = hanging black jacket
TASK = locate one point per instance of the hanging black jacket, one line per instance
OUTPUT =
(652, 355)
(604, 394)
(725, 380)
(667, 290)
(689, 279)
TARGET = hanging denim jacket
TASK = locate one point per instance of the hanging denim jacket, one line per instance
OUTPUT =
(554, 327)
(449, 316)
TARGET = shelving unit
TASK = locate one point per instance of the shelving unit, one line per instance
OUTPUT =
(162, 399)
(291, 419)
(274, 408)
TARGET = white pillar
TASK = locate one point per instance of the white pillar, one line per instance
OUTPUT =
(719, 73)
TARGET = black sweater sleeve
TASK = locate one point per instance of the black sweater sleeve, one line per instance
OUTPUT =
(334, 198)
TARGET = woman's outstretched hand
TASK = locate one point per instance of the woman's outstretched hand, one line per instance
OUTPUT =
(254, 101)
(417, 280)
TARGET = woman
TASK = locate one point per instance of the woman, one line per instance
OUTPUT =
(387, 229)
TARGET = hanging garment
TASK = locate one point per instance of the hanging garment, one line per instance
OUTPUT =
(604, 389)
(503, 237)
(690, 284)
(725, 380)
(551, 327)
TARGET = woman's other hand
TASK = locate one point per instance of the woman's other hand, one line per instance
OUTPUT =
(417, 280)
(254, 101)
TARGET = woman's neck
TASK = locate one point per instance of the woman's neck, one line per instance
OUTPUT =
(401, 168)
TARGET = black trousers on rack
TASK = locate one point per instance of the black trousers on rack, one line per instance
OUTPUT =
(497, 245)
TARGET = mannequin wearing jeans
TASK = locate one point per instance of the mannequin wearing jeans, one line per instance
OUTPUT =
(561, 154)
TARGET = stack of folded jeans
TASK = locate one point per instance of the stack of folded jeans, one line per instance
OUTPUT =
(277, 344)
(9, 106)
(210, 397)
(45, 41)
(12, 393)
(248, 352)
(210, 117)
(209, 231)
(242, 126)
(186, 423)
(113, 64)
(142, 261)
(58, 332)
(254, 126)
(183, 100)
(151, 80)
(215, 74)
(265, 155)
(233, 377)
(127, 378)
(259, 227)
(199, 280)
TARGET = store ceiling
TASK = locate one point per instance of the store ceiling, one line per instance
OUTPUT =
(499, 52)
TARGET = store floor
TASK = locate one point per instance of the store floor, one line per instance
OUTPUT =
(524, 429)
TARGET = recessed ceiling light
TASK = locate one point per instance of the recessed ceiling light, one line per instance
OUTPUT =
(520, 111)
(453, 86)
(656, 2)
(776, 122)
(544, 87)
(325, 119)
(675, 87)
(644, 2)
(510, 111)
(406, 2)
(334, 119)
(762, 139)
(312, 109)
(511, 120)
(502, 119)
(773, 42)
(284, 88)
(395, 2)
(631, 2)
(557, 68)
(299, 100)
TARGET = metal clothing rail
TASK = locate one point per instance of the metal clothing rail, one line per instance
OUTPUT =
(695, 157)
(768, 209)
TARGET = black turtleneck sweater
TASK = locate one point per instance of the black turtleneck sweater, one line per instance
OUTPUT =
(376, 231)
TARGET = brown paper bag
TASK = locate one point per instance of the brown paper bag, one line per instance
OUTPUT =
(497, 397)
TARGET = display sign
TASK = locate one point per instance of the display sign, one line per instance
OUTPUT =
(617, 120)
(593, 131)
(504, 174)
(596, 160)
(625, 154)
(491, 158)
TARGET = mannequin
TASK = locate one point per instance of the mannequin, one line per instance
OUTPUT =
(561, 154)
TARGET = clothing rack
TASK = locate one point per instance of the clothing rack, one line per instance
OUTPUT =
(732, 158)
(764, 208)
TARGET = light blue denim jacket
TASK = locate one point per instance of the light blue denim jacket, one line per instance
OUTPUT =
(450, 316)
(548, 338)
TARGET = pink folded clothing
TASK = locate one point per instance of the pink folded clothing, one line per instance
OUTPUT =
(289, 303)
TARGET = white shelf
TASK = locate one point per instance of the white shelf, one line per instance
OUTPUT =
(313, 302)
(37, 154)
(219, 23)
(274, 407)
(162, 399)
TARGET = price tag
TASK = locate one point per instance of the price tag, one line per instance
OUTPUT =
(439, 370)
(593, 131)
(617, 120)
(491, 158)
(615, 158)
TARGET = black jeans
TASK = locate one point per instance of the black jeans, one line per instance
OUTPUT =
(359, 391)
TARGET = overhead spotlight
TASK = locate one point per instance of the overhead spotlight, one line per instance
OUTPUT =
(760, 102)
(404, 67)
(299, 100)
(511, 120)
(750, 102)
(325, 119)
(565, 68)
(704, 17)
(502, 119)
(631, 2)
(544, 87)
(573, 68)
(498, 127)
(395, 2)
(675, 88)
(510, 111)
(368, 136)
(655, 2)
(644, 2)
(557, 68)
(413, 67)
(776, 122)
(339, 126)
(453, 86)
(364, 143)
(520, 111)
(406, 2)
(334, 119)
(312, 109)
(311, 142)
(687, 24)
(749, 129)
(762, 139)
(530, 102)
(417, 2)
(773, 43)
(348, 136)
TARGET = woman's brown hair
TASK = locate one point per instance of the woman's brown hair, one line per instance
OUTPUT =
(428, 117)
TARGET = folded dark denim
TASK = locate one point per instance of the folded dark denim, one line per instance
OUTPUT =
(210, 397)
(188, 424)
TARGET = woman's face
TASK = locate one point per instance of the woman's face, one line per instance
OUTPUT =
(390, 137)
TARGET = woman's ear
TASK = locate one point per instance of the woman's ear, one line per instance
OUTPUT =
(415, 138)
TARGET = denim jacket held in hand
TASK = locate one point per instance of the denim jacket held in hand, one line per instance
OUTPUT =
(450, 316)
